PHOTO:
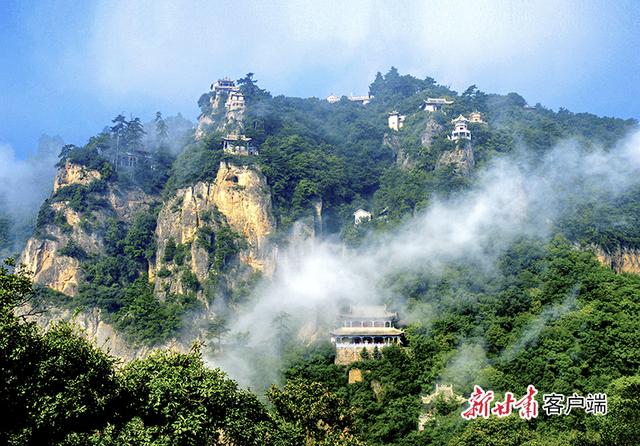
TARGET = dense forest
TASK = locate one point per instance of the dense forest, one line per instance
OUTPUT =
(547, 314)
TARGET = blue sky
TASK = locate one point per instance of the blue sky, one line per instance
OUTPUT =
(68, 67)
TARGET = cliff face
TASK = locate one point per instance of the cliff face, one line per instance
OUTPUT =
(218, 118)
(460, 158)
(74, 174)
(621, 260)
(431, 130)
(240, 198)
(44, 253)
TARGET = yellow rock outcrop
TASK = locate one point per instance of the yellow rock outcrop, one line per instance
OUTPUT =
(74, 174)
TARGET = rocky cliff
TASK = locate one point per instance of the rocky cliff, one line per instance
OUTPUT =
(238, 198)
(431, 129)
(460, 158)
(620, 259)
(219, 118)
(49, 254)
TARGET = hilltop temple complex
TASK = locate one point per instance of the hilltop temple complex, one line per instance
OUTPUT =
(224, 85)
(365, 327)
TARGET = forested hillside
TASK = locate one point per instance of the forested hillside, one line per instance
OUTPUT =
(160, 237)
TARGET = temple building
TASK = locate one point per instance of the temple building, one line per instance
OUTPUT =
(476, 116)
(127, 159)
(460, 129)
(365, 327)
(364, 100)
(224, 84)
(235, 101)
(435, 104)
(396, 120)
(361, 216)
(234, 144)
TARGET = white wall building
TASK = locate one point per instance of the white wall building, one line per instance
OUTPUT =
(396, 121)
(361, 216)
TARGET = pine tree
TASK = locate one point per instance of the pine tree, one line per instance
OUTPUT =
(162, 130)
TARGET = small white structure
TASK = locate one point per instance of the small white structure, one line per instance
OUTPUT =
(361, 216)
(238, 145)
(224, 84)
(396, 120)
(476, 116)
(460, 129)
(364, 100)
(235, 101)
(435, 104)
(332, 98)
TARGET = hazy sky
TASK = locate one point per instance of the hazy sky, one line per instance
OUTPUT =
(68, 67)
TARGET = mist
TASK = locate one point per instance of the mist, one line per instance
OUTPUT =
(513, 198)
(25, 183)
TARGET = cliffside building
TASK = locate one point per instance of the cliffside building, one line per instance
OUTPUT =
(435, 104)
(460, 129)
(224, 84)
(332, 98)
(127, 158)
(238, 145)
(396, 121)
(361, 216)
(476, 117)
(364, 100)
(365, 327)
(235, 101)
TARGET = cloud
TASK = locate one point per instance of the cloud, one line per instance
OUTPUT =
(171, 49)
(512, 198)
(27, 182)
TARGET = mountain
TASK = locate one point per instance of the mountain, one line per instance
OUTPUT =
(157, 242)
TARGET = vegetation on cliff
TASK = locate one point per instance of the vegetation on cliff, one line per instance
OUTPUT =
(497, 332)
(548, 315)
(60, 389)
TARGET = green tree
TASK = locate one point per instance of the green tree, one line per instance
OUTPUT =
(134, 133)
(162, 130)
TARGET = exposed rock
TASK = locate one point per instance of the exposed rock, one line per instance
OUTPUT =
(219, 118)
(240, 196)
(204, 123)
(91, 324)
(402, 158)
(355, 376)
(461, 158)
(442, 391)
(74, 174)
(41, 257)
(42, 252)
(431, 130)
(621, 259)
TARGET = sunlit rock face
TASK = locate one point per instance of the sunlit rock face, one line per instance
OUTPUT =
(43, 254)
(240, 198)
(621, 259)
(74, 174)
